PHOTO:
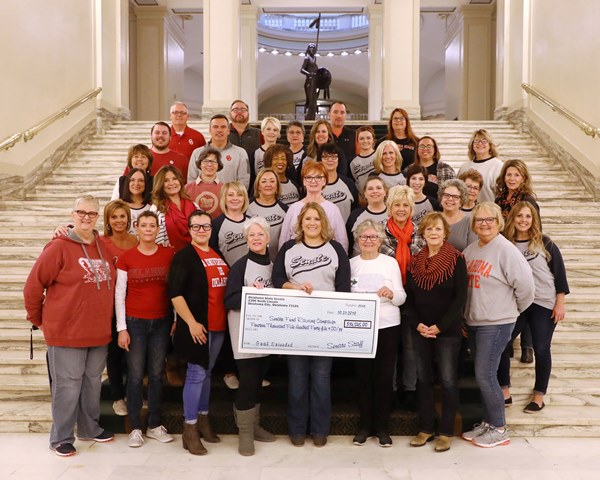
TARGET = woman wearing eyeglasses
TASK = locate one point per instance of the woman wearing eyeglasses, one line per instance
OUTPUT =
(436, 285)
(340, 190)
(252, 270)
(372, 272)
(69, 294)
(401, 133)
(452, 196)
(500, 286)
(205, 191)
(197, 282)
(482, 153)
(314, 180)
(474, 182)
(428, 155)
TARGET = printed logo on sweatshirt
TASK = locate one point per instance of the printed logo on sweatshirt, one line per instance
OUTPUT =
(336, 196)
(91, 265)
(477, 269)
(301, 265)
(267, 283)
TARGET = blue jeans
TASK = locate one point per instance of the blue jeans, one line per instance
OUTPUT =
(196, 390)
(488, 343)
(147, 351)
(539, 320)
(443, 351)
(309, 395)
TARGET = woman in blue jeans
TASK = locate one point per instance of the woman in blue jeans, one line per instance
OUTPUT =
(144, 323)
(436, 285)
(499, 287)
(197, 282)
(523, 228)
(313, 261)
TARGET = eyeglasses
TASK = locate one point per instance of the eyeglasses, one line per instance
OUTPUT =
(239, 110)
(371, 238)
(206, 160)
(83, 214)
(449, 196)
(195, 227)
(473, 187)
(329, 157)
(315, 178)
(426, 147)
(482, 141)
(179, 113)
(486, 220)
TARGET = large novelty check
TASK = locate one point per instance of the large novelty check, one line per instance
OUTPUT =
(291, 322)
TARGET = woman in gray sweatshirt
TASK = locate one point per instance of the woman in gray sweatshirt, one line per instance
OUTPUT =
(500, 287)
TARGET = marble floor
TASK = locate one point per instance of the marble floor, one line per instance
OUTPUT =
(26, 456)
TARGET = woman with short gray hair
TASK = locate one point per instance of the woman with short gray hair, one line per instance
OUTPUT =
(372, 272)
(452, 195)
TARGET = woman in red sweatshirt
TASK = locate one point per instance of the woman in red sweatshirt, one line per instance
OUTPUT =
(69, 296)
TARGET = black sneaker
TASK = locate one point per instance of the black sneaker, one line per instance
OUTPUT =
(360, 438)
(384, 439)
(105, 436)
(65, 450)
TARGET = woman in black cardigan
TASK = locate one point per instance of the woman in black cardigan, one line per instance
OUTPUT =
(197, 281)
(436, 287)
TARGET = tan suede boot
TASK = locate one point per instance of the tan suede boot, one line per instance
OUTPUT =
(191, 440)
(260, 434)
(205, 430)
(244, 419)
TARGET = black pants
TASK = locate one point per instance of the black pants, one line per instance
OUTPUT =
(115, 366)
(375, 387)
(250, 371)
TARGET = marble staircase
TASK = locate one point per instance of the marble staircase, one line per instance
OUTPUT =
(570, 215)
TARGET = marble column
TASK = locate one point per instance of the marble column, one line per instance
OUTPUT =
(401, 57)
(375, 62)
(221, 56)
(159, 70)
(248, 54)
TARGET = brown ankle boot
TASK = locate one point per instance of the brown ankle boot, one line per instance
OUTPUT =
(205, 430)
(191, 440)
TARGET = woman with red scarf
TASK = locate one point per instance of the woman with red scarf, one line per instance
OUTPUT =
(173, 207)
(400, 244)
(436, 287)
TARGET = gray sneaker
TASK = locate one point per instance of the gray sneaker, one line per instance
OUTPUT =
(478, 429)
(159, 433)
(492, 438)
(135, 438)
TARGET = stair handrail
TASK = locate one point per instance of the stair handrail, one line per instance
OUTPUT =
(588, 129)
(27, 135)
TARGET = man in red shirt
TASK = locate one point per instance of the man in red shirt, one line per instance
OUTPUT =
(184, 139)
(161, 137)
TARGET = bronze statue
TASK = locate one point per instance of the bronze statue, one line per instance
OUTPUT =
(310, 68)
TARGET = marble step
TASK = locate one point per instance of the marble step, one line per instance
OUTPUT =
(24, 416)
(555, 421)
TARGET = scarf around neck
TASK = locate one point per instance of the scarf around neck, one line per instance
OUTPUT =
(404, 237)
(427, 271)
(176, 223)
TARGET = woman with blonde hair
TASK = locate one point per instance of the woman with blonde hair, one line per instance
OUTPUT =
(500, 287)
(330, 272)
(523, 228)
(483, 153)
(270, 128)
(388, 163)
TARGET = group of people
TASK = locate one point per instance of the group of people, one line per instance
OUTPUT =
(191, 223)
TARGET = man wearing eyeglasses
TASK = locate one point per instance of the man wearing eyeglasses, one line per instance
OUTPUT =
(241, 133)
(235, 159)
(184, 139)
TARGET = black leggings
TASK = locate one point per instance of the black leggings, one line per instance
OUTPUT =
(250, 374)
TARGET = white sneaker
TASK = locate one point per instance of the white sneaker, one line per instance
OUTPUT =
(159, 433)
(120, 408)
(232, 382)
(135, 438)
